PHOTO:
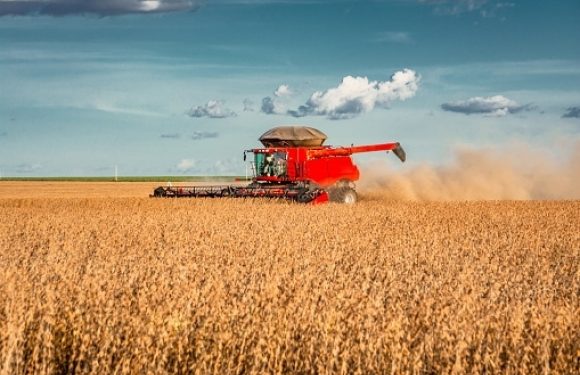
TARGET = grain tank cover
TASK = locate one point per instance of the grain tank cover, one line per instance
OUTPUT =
(293, 136)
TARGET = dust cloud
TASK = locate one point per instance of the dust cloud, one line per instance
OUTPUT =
(510, 173)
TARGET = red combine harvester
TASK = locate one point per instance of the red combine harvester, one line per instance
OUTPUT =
(294, 164)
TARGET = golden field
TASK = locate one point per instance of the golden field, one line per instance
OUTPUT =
(98, 278)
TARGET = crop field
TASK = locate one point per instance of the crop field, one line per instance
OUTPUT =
(98, 278)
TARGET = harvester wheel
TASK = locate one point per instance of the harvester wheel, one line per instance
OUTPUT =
(304, 197)
(345, 195)
(349, 196)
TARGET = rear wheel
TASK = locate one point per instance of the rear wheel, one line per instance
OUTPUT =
(349, 196)
(346, 195)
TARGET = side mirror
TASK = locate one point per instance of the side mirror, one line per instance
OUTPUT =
(244, 155)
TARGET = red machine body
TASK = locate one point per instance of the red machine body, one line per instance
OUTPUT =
(324, 166)
(297, 171)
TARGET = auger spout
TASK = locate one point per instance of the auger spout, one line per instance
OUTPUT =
(347, 151)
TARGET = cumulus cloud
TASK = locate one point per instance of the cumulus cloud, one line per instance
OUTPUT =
(97, 7)
(269, 106)
(276, 105)
(356, 95)
(283, 90)
(572, 112)
(186, 165)
(212, 109)
(497, 105)
(197, 135)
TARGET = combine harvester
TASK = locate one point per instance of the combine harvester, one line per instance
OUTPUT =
(294, 165)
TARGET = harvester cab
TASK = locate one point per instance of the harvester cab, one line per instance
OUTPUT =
(270, 163)
(294, 164)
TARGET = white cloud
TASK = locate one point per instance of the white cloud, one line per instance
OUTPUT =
(283, 90)
(497, 105)
(356, 95)
(186, 165)
(98, 7)
(276, 105)
(197, 135)
(150, 5)
(212, 109)
(104, 106)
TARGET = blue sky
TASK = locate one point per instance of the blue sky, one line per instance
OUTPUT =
(182, 87)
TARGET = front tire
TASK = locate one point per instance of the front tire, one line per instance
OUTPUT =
(304, 196)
